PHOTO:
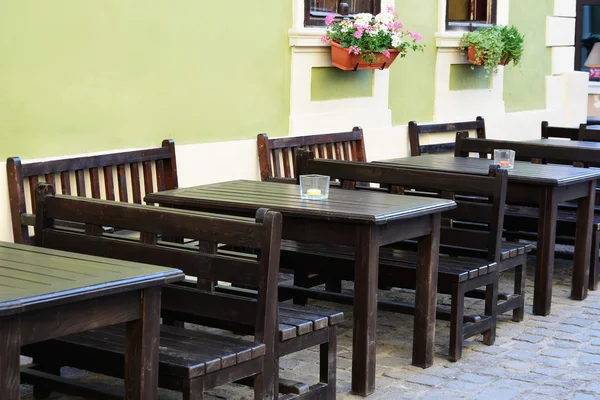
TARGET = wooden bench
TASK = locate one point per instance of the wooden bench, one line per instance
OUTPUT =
(521, 221)
(277, 157)
(459, 272)
(135, 172)
(415, 131)
(193, 360)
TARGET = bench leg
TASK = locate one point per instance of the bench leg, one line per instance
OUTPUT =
(594, 261)
(457, 310)
(193, 389)
(10, 345)
(39, 391)
(301, 280)
(333, 285)
(491, 303)
(520, 274)
(327, 362)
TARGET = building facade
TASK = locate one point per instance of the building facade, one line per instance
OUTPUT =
(100, 76)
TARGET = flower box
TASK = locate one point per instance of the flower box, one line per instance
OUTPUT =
(369, 41)
(345, 60)
(471, 59)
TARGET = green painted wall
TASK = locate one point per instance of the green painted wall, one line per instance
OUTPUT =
(330, 83)
(525, 84)
(80, 76)
(412, 79)
(463, 77)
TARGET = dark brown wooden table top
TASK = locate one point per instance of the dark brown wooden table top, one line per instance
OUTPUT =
(566, 143)
(342, 205)
(34, 277)
(522, 172)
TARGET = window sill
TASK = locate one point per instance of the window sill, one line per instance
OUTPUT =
(448, 39)
(307, 37)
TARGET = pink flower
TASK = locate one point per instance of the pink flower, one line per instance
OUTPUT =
(415, 36)
(390, 9)
(329, 19)
(354, 50)
(386, 53)
(323, 39)
(358, 34)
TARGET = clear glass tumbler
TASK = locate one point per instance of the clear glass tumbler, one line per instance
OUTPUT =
(314, 187)
(505, 158)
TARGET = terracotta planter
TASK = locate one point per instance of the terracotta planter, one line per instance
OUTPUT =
(471, 59)
(341, 59)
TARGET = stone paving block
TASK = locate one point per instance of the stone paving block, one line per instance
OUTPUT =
(530, 338)
(476, 378)
(558, 353)
(444, 394)
(427, 380)
(583, 396)
(565, 344)
(497, 394)
(463, 386)
(517, 365)
(590, 359)
(592, 388)
(520, 355)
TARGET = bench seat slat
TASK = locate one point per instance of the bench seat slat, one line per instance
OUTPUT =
(189, 353)
(334, 317)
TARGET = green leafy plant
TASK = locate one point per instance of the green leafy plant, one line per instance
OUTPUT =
(495, 45)
(513, 45)
(488, 45)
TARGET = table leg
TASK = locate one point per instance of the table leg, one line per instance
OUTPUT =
(426, 296)
(542, 291)
(366, 272)
(10, 349)
(583, 243)
(141, 360)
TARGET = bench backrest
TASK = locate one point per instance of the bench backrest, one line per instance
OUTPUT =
(587, 134)
(526, 151)
(480, 199)
(558, 132)
(263, 234)
(415, 131)
(277, 157)
(136, 170)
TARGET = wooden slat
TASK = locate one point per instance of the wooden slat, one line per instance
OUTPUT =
(122, 182)
(109, 184)
(80, 182)
(33, 180)
(95, 183)
(135, 183)
(65, 182)
(148, 184)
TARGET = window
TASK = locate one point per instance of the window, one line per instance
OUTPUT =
(469, 14)
(315, 11)
(587, 32)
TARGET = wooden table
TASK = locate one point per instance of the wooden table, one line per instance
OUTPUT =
(46, 293)
(544, 186)
(364, 220)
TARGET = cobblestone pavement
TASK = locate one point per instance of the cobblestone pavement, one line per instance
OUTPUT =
(552, 357)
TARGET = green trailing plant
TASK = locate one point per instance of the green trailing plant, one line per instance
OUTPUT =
(494, 45)
(513, 45)
(488, 46)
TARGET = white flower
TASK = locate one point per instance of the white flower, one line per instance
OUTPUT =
(367, 17)
(345, 25)
(384, 18)
(396, 40)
